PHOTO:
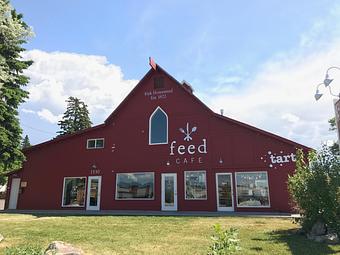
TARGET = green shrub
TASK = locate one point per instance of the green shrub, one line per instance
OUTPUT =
(315, 188)
(224, 241)
(24, 250)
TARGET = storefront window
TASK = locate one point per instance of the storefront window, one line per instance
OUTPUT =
(252, 189)
(74, 191)
(135, 186)
(195, 185)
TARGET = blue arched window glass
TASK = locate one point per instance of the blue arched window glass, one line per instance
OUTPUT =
(158, 127)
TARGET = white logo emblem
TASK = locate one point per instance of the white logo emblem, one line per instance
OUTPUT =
(187, 132)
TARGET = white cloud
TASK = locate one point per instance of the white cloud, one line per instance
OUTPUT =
(45, 114)
(290, 117)
(27, 111)
(54, 76)
(280, 98)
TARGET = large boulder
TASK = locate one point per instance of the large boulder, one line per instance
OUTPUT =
(320, 234)
(61, 248)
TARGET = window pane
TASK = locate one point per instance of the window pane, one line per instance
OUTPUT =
(252, 189)
(94, 192)
(74, 192)
(169, 190)
(135, 186)
(91, 143)
(99, 143)
(159, 127)
(195, 185)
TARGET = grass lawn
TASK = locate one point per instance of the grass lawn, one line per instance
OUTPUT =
(155, 235)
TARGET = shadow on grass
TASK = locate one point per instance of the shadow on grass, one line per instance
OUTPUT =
(299, 244)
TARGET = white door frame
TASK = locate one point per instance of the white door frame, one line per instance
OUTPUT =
(164, 207)
(221, 208)
(14, 194)
(88, 207)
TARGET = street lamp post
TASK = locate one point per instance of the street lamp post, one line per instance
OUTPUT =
(326, 82)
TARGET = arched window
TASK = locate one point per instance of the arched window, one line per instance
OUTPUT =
(158, 127)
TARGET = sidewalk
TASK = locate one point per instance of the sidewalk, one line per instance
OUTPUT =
(146, 213)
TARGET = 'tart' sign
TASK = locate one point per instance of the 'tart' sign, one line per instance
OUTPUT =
(275, 160)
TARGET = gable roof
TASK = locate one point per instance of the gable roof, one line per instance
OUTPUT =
(180, 85)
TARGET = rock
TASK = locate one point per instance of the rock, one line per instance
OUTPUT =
(1, 238)
(61, 248)
(332, 239)
(329, 238)
(318, 229)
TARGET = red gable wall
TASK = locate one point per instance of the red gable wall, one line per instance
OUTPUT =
(230, 146)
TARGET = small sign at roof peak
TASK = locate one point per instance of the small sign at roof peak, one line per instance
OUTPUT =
(152, 63)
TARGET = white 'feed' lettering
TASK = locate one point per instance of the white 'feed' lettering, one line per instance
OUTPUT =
(191, 149)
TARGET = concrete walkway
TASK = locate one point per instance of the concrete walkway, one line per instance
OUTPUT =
(146, 213)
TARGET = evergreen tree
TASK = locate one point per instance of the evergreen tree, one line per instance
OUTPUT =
(13, 33)
(75, 118)
(26, 142)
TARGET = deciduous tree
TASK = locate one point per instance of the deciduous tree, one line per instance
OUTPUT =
(332, 127)
(315, 187)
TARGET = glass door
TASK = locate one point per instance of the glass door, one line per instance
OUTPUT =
(169, 192)
(224, 190)
(93, 193)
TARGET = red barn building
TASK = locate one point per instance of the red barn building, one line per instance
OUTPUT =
(161, 149)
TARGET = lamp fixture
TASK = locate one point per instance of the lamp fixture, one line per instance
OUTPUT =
(318, 95)
(327, 81)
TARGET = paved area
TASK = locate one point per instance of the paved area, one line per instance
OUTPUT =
(2, 204)
(146, 213)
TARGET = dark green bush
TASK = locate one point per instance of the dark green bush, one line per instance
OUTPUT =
(315, 188)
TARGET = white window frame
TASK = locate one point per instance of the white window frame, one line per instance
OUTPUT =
(221, 208)
(95, 143)
(135, 199)
(185, 185)
(252, 172)
(85, 190)
(167, 126)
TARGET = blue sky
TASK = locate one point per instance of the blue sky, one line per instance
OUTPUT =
(232, 52)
